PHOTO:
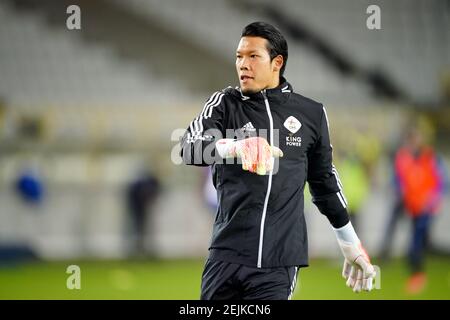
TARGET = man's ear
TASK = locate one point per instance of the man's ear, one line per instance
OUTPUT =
(277, 62)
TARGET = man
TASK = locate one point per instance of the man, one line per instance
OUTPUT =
(259, 236)
(421, 180)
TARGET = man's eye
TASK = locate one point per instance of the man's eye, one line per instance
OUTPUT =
(253, 56)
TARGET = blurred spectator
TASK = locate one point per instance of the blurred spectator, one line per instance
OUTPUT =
(396, 211)
(29, 186)
(209, 192)
(395, 214)
(420, 177)
(2, 116)
(141, 196)
(356, 183)
(357, 159)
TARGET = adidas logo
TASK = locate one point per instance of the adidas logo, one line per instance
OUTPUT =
(248, 127)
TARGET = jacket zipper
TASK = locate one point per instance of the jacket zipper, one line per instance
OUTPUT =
(269, 184)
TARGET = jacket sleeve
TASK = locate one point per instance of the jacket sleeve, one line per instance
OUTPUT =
(323, 178)
(198, 142)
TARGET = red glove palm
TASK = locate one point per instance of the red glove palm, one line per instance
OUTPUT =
(257, 154)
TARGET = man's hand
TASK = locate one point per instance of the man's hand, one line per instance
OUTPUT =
(256, 153)
(357, 270)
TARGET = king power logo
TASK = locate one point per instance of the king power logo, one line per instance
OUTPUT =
(293, 125)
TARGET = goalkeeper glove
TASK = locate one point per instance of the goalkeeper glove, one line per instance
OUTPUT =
(357, 270)
(256, 153)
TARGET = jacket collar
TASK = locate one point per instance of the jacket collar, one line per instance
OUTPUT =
(280, 93)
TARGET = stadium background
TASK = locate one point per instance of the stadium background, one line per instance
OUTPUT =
(86, 112)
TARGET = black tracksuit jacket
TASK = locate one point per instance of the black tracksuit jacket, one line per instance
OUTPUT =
(260, 220)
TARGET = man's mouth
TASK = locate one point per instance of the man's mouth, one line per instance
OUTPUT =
(245, 78)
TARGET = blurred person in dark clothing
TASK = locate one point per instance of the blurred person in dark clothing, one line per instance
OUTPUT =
(141, 195)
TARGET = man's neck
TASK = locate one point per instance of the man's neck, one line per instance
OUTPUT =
(275, 83)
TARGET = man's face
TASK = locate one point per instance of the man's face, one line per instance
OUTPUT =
(416, 139)
(255, 69)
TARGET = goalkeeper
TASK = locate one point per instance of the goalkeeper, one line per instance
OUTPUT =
(279, 141)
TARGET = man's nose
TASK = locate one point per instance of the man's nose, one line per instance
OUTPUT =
(243, 64)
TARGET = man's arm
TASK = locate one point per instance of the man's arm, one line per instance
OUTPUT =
(323, 179)
(328, 196)
(198, 142)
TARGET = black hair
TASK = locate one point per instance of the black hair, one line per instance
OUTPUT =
(277, 44)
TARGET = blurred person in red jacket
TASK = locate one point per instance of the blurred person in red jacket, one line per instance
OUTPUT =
(420, 175)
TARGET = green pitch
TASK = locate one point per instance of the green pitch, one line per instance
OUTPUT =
(180, 279)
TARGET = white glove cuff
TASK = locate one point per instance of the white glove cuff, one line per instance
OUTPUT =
(224, 146)
(347, 234)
